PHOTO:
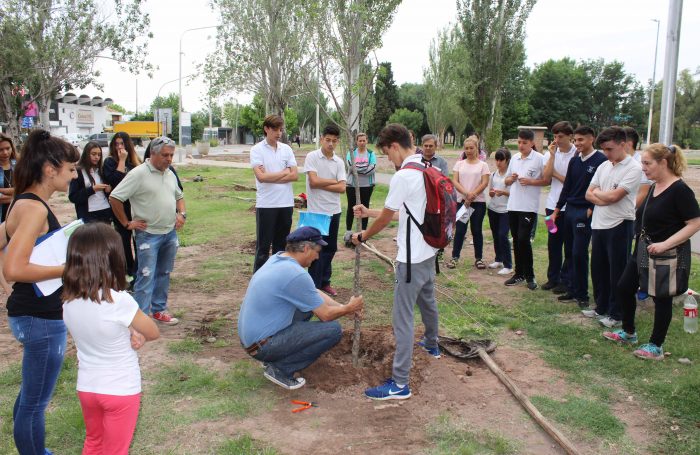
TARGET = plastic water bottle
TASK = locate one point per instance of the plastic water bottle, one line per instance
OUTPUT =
(551, 226)
(690, 313)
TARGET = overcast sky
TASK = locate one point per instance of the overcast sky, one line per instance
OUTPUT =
(609, 29)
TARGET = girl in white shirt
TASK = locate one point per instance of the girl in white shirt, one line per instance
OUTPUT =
(107, 326)
(498, 214)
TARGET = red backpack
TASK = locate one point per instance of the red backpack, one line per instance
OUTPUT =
(440, 210)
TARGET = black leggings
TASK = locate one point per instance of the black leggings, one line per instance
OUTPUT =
(626, 290)
(365, 196)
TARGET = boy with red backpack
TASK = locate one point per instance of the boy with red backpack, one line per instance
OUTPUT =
(426, 222)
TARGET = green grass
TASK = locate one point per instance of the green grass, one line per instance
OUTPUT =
(186, 346)
(245, 445)
(451, 437)
(587, 416)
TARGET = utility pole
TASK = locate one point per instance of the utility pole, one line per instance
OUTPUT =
(668, 97)
(653, 83)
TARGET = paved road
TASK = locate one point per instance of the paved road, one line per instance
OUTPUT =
(380, 178)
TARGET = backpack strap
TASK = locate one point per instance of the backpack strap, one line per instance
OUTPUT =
(421, 168)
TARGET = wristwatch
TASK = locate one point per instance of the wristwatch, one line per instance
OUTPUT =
(184, 214)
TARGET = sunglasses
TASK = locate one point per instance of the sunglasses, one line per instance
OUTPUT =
(672, 149)
(163, 141)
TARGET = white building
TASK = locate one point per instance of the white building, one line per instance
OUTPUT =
(79, 114)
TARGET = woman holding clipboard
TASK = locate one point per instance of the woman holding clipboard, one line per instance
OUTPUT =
(47, 166)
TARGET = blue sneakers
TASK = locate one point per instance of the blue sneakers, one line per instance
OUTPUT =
(435, 352)
(388, 391)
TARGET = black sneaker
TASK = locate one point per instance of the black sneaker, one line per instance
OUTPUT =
(282, 380)
(560, 288)
(583, 304)
(549, 285)
(532, 284)
(514, 280)
(565, 297)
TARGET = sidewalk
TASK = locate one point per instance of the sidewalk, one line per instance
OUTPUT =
(380, 178)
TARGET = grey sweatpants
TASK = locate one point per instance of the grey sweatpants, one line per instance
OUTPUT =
(420, 291)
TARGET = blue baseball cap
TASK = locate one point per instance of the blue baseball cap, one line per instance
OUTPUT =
(306, 234)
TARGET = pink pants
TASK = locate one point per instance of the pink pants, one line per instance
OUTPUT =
(110, 421)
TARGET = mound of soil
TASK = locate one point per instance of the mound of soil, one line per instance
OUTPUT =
(333, 371)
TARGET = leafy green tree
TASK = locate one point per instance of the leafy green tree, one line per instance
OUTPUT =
(444, 82)
(118, 108)
(253, 115)
(386, 99)
(261, 48)
(412, 96)
(517, 94)
(413, 120)
(560, 91)
(687, 115)
(612, 91)
(492, 35)
(56, 43)
(346, 32)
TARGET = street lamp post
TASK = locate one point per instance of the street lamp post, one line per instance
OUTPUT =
(653, 83)
(179, 109)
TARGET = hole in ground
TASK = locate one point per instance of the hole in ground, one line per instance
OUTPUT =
(333, 371)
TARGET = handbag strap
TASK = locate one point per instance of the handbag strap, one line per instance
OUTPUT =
(644, 210)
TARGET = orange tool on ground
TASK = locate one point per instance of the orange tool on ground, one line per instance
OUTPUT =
(304, 405)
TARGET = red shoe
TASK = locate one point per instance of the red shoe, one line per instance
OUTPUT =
(329, 290)
(165, 318)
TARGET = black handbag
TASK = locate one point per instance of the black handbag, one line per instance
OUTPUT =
(665, 274)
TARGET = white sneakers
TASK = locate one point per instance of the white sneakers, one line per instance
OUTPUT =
(505, 271)
(496, 265)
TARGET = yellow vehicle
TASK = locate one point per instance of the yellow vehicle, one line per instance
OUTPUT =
(140, 130)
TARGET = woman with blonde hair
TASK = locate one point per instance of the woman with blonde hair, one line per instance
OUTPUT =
(471, 177)
(668, 218)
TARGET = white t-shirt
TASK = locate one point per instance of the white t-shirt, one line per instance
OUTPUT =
(638, 158)
(625, 175)
(320, 200)
(106, 362)
(561, 166)
(97, 201)
(407, 186)
(272, 195)
(498, 204)
(525, 198)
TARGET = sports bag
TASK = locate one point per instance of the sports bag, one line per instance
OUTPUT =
(440, 213)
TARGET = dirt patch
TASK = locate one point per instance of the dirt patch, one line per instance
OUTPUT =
(333, 371)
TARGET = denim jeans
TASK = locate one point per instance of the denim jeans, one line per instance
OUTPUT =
(322, 268)
(296, 347)
(476, 220)
(44, 342)
(501, 244)
(156, 253)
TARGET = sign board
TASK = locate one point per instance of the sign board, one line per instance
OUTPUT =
(85, 116)
(164, 116)
(186, 138)
(186, 119)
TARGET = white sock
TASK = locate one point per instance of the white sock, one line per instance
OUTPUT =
(400, 386)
